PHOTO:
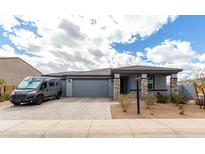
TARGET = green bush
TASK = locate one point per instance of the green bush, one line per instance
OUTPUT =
(178, 99)
(162, 98)
(149, 99)
(125, 101)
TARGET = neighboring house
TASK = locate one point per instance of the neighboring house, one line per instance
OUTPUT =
(113, 81)
(14, 69)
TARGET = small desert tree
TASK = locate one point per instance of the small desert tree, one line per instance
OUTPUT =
(2, 83)
(199, 85)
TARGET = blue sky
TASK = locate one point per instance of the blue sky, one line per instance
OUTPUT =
(186, 28)
(89, 42)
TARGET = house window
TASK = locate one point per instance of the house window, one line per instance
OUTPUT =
(150, 82)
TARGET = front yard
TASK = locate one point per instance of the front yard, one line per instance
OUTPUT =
(158, 110)
(4, 103)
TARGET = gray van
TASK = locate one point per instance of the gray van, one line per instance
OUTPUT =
(36, 89)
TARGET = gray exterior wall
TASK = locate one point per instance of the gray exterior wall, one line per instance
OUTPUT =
(63, 87)
(131, 83)
(69, 87)
(159, 83)
(110, 88)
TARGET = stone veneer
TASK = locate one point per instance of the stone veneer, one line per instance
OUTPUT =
(116, 86)
(173, 84)
(144, 85)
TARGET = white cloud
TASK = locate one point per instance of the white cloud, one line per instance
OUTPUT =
(171, 51)
(26, 40)
(140, 54)
(8, 22)
(202, 57)
(80, 43)
(7, 51)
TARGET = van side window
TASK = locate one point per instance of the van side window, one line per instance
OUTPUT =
(43, 85)
(51, 84)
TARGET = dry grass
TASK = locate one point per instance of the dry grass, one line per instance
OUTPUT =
(158, 110)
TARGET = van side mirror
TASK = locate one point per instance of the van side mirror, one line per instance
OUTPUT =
(42, 87)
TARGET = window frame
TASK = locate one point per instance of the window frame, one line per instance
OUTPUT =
(151, 80)
(53, 84)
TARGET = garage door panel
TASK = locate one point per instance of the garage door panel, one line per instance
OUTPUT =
(90, 88)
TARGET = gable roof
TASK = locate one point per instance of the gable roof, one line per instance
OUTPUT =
(17, 58)
(127, 70)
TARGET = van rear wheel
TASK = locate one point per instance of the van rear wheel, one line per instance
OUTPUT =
(39, 100)
(58, 95)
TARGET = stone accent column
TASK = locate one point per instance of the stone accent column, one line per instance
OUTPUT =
(116, 86)
(173, 84)
(144, 85)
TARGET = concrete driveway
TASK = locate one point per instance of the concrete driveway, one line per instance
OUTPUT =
(63, 109)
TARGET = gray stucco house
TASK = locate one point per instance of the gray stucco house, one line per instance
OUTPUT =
(112, 81)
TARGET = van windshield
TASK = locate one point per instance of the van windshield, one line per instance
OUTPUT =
(29, 83)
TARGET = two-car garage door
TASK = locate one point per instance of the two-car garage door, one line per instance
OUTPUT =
(90, 88)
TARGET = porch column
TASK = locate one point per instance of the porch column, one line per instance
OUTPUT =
(144, 85)
(173, 84)
(116, 86)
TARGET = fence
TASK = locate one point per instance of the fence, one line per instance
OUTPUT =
(7, 89)
(187, 89)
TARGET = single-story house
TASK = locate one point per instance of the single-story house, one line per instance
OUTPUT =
(13, 70)
(110, 82)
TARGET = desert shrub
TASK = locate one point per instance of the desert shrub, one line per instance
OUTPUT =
(178, 99)
(125, 100)
(149, 99)
(162, 98)
(4, 97)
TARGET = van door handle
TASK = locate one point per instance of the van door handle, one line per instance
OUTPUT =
(46, 89)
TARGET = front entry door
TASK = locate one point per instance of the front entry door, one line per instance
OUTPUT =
(123, 85)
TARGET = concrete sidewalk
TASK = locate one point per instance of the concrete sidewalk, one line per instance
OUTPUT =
(103, 128)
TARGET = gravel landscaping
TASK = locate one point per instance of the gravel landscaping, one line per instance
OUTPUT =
(168, 110)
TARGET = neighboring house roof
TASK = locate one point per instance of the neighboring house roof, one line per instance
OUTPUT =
(14, 69)
(127, 70)
(6, 58)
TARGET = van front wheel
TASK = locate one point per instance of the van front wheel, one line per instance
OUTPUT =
(58, 95)
(39, 100)
(16, 103)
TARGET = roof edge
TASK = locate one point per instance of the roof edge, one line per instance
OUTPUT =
(23, 62)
